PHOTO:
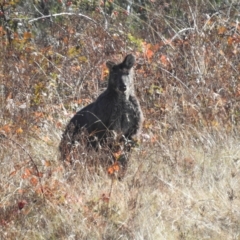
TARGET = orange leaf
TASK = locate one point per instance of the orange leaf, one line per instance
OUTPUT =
(65, 40)
(39, 114)
(27, 173)
(222, 30)
(6, 128)
(117, 154)
(21, 191)
(148, 50)
(24, 176)
(40, 174)
(13, 173)
(38, 190)
(27, 35)
(230, 40)
(164, 60)
(19, 130)
(47, 163)
(59, 125)
(153, 139)
(156, 47)
(149, 54)
(10, 96)
(105, 72)
(34, 181)
(114, 168)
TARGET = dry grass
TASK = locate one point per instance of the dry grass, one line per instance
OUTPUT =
(184, 187)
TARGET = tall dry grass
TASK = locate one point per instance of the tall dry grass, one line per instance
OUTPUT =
(184, 187)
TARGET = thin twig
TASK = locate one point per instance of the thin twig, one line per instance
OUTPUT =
(179, 80)
(30, 157)
(62, 14)
(110, 194)
(181, 31)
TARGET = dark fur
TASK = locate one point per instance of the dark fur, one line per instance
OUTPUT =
(116, 112)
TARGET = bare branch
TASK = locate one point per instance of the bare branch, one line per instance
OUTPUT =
(181, 31)
(62, 14)
(30, 157)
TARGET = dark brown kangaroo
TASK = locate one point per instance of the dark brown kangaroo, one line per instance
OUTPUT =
(115, 115)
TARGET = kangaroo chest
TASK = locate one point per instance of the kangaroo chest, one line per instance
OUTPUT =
(123, 116)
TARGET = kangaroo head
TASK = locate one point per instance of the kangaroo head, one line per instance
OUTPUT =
(121, 75)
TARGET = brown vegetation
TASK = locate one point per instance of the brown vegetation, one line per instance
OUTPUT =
(183, 179)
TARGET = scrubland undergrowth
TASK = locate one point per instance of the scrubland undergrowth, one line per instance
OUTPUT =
(183, 179)
(184, 187)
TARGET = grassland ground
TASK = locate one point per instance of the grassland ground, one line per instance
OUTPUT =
(185, 186)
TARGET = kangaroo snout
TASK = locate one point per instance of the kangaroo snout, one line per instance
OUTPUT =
(122, 88)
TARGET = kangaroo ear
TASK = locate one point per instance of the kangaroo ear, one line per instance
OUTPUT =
(128, 62)
(110, 65)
